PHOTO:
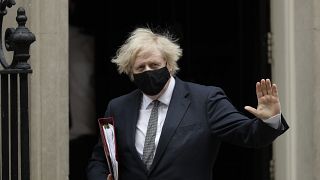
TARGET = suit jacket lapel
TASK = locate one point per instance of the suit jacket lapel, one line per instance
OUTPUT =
(133, 114)
(178, 105)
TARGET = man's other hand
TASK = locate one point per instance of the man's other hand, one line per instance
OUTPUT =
(109, 177)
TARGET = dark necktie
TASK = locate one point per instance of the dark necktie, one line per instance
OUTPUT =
(149, 143)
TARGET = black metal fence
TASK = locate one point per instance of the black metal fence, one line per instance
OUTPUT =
(14, 97)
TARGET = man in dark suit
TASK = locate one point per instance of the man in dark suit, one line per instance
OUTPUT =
(169, 129)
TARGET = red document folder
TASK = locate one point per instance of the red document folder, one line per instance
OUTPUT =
(108, 138)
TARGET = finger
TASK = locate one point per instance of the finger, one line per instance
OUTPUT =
(109, 177)
(275, 90)
(251, 110)
(268, 84)
(258, 90)
(263, 87)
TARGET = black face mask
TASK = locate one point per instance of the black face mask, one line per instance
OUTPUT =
(152, 82)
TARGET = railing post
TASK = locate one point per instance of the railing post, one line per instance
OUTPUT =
(17, 40)
(4, 126)
(24, 124)
(14, 126)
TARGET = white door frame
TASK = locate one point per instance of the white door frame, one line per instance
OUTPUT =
(292, 70)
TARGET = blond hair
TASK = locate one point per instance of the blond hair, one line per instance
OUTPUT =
(144, 39)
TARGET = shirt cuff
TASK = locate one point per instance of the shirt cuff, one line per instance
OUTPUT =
(274, 121)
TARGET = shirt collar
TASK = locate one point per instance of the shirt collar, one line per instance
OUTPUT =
(164, 98)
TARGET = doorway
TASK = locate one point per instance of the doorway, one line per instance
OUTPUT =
(224, 45)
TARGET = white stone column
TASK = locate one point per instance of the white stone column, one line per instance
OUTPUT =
(294, 70)
(48, 91)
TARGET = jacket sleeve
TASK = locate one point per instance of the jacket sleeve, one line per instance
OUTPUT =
(97, 168)
(230, 125)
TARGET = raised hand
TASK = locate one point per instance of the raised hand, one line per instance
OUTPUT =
(268, 100)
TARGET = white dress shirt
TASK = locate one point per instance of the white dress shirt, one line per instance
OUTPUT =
(145, 111)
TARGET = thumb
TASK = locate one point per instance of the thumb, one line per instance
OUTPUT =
(251, 110)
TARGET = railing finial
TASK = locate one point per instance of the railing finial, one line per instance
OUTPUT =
(19, 41)
(21, 17)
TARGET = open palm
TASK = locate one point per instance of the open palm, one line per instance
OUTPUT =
(268, 100)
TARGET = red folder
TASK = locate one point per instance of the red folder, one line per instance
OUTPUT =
(111, 154)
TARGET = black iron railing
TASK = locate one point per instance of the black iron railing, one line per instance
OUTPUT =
(14, 97)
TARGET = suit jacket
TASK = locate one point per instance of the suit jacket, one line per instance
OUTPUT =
(198, 119)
